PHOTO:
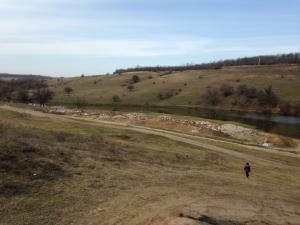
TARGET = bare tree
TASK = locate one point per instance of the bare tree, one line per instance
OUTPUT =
(43, 95)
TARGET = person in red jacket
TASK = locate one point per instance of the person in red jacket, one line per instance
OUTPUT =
(247, 169)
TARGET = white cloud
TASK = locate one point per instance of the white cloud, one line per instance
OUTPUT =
(105, 48)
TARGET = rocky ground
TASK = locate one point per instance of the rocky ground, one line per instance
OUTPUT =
(196, 126)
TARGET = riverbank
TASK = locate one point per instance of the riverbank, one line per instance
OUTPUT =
(278, 124)
(221, 130)
(267, 112)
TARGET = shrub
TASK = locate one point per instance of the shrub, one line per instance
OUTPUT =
(116, 99)
(79, 102)
(43, 95)
(267, 97)
(167, 94)
(243, 101)
(285, 107)
(23, 96)
(247, 92)
(211, 97)
(135, 79)
(130, 87)
(68, 90)
(226, 90)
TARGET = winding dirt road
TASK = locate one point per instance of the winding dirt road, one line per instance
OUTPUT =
(176, 136)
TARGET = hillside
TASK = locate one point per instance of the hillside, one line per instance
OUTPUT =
(180, 88)
(58, 169)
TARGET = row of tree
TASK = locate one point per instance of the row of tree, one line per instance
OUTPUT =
(25, 90)
(244, 96)
(292, 58)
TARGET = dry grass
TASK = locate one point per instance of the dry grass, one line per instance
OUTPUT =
(93, 175)
(281, 141)
(283, 78)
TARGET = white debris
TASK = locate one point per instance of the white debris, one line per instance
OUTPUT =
(119, 117)
(267, 145)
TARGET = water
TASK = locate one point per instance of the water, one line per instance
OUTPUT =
(284, 125)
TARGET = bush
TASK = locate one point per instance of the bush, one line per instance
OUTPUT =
(285, 108)
(226, 90)
(43, 95)
(68, 90)
(167, 94)
(243, 101)
(267, 97)
(23, 96)
(130, 87)
(116, 99)
(243, 90)
(79, 102)
(135, 79)
(211, 97)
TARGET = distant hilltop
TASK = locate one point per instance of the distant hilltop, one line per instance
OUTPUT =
(21, 76)
(291, 58)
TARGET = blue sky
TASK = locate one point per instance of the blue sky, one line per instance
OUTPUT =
(71, 37)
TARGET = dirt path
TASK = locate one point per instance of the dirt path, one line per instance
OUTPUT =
(184, 138)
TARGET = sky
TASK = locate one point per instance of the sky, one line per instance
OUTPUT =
(73, 37)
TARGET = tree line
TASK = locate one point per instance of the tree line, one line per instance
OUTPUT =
(244, 96)
(292, 58)
(25, 90)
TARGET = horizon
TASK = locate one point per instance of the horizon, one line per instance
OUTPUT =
(141, 66)
(67, 38)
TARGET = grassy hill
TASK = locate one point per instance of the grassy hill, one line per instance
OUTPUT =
(186, 87)
(58, 170)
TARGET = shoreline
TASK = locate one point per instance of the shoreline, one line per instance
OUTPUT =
(193, 107)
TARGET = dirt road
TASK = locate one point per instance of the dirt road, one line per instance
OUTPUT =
(176, 136)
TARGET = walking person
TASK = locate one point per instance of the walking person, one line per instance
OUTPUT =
(247, 169)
